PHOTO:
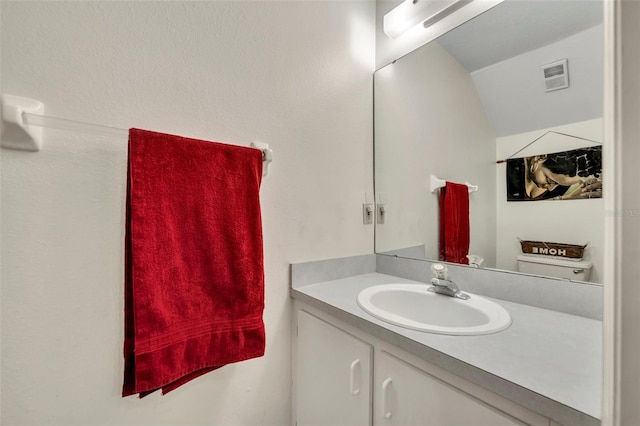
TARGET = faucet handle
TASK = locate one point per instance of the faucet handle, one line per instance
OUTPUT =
(439, 270)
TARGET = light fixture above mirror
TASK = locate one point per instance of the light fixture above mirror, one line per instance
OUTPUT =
(412, 13)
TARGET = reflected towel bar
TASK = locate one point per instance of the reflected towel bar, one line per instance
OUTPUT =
(435, 183)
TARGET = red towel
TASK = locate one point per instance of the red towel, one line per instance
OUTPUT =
(454, 223)
(194, 277)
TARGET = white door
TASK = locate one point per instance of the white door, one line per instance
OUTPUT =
(333, 375)
(405, 395)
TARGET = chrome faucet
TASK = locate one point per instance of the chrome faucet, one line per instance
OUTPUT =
(443, 285)
(447, 287)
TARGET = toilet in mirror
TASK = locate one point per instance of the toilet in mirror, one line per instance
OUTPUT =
(510, 104)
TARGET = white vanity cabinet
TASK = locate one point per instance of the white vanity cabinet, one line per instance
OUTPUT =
(333, 375)
(405, 395)
(344, 376)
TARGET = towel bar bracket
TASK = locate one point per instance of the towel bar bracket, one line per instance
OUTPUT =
(267, 155)
(16, 134)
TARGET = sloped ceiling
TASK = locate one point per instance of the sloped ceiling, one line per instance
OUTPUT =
(513, 93)
(518, 26)
(505, 47)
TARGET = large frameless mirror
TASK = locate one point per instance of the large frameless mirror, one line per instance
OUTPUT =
(522, 81)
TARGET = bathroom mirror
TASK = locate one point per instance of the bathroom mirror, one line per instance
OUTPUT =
(475, 95)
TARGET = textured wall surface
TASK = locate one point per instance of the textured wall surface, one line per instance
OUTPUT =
(296, 75)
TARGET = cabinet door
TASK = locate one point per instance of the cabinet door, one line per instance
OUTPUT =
(405, 395)
(333, 375)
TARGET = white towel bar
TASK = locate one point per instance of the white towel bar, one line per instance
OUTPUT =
(24, 119)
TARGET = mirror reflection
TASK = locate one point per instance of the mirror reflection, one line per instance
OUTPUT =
(522, 81)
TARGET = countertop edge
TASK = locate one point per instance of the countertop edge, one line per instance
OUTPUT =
(529, 399)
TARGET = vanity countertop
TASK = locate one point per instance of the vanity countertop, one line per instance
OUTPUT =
(547, 361)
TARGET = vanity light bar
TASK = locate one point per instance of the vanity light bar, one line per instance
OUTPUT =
(411, 13)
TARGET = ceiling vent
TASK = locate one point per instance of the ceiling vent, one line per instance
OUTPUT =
(556, 76)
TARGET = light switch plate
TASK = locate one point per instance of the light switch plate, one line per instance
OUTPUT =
(380, 214)
(367, 214)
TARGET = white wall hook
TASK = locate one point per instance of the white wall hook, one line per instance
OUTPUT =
(267, 155)
(16, 134)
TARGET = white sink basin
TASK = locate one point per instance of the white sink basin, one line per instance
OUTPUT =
(413, 306)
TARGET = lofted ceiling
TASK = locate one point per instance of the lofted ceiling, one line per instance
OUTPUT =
(517, 26)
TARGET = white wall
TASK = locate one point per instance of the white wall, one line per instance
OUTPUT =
(512, 91)
(296, 75)
(566, 221)
(429, 120)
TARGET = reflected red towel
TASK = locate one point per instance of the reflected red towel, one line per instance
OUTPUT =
(194, 280)
(454, 223)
